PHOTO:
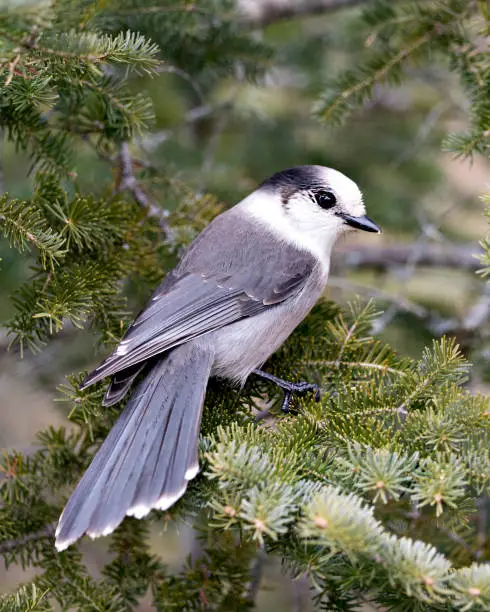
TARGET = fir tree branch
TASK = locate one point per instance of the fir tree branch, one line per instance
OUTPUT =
(363, 86)
(444, 357)
(27, 598)
(126, 48)
(23, 224)
(357, 364)
(41, 534)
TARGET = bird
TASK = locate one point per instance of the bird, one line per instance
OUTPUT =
(240, 289)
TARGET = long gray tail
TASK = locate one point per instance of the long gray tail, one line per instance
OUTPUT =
(149, 455)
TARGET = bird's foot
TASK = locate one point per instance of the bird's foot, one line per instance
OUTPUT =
(290, 388)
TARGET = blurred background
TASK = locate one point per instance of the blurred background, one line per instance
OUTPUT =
(225, 135)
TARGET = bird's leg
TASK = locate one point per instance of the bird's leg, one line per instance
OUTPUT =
(289, 388)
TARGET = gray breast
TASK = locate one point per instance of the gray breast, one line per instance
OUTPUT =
(283, 280)
(243, 346)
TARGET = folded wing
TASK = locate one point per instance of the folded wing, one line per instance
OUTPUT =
(212, 287)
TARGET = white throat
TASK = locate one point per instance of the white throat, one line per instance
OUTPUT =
(306, 234)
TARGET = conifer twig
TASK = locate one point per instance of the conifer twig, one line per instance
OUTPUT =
(356, 364)
(378, 76)
(45, 532)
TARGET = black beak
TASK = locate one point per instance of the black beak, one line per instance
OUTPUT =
(363, 223)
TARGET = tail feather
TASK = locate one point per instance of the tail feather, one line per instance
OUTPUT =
(120, 384)
(149, 455)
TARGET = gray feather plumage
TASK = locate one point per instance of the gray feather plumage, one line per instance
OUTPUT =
(236, 295)
(150, 453)
(210, 290)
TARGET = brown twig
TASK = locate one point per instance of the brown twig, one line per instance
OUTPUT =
(11, 69)
(128, 182)
(471, 324)
(152, 141)
(399, 301)
(256, 574)
(265, 12)
(432, 255)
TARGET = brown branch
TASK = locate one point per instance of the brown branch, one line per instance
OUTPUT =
(431, 255)
(465, 328)
(128, 182)
(264, 12)
(256, 575)
(152, 141)
(399, 301)
(471, 325)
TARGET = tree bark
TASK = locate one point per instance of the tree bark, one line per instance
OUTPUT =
(261, 13)
(461, 257)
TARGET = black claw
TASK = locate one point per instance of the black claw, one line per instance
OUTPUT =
(290, 388)
(287, 401)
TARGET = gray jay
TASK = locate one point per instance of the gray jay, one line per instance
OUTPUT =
(238, 292)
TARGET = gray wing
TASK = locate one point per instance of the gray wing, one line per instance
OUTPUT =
(217, 283)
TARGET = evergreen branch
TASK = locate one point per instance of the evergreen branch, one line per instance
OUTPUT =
(41, 534)
(382, 473)
(444, 359)
(399, 35)
(419, 570)
(23, 224)
(27, 598)
(127, 48)
(135, 112)
(69, 583)
(357, 364)
(77, 293)
(467, 144)
(362, 87)
(345, 343)
(471, 587)
(439, 482)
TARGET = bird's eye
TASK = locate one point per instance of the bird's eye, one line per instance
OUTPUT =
(325, 199)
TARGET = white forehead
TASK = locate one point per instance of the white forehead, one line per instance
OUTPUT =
(347, 192)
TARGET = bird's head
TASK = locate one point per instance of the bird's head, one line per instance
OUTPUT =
(312, 205)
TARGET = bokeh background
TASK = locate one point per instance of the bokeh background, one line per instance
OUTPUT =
(224, 136)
